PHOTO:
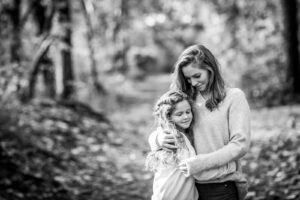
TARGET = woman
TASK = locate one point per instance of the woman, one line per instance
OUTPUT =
(221, 125)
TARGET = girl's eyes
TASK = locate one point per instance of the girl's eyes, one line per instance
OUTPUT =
(178, 114)
(181, 113)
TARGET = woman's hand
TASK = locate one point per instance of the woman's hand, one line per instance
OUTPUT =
(166, 141)
(183, 167)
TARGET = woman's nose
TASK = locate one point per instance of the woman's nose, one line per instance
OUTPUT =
(194, 82)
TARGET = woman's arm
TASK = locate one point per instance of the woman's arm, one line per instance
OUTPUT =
(160, 139)
(239, 139)
(210, 174)
(216, 173)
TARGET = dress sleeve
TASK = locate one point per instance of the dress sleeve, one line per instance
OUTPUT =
(239, 138)
(152, 140)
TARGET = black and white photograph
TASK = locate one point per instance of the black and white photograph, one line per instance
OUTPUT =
(149, 100)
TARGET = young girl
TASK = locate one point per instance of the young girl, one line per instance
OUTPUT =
(174, 114)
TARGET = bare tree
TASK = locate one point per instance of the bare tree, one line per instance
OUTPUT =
(15, 14)
(290, 11)
(42, 62)
(87, 10)
(64, 18)
(38, 59)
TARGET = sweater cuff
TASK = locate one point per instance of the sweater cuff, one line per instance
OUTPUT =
(192, 165)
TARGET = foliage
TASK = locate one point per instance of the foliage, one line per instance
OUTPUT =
(49, 151)
(272, 165)
(64, 150)
(137, 38)
(274, 172)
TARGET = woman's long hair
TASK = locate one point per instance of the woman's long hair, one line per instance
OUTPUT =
(204, 59)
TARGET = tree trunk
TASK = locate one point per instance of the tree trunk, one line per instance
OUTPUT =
(37, 61)
(43, 16)
(49, 78)
(90, 35)
(66, 54)
(118, 38)
(16, 38)
(290, 11)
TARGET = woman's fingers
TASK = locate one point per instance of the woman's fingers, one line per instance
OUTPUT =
(166, 141)
(182, 164)
(169, 140)
(169, 137)
(169, 146)
(164, 138)
(182, 167)
(167, 132)
(167, 149)
(169, 143)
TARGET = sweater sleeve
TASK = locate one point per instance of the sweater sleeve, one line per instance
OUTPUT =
(239, 138)
(216, 173)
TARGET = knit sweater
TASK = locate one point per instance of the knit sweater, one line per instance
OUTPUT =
(221, 136)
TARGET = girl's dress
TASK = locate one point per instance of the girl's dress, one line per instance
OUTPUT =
(169, 182)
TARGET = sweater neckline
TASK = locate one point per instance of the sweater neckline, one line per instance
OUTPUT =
(200, 99)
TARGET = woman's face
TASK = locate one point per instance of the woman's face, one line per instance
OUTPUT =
(197, 77)
(182, 115)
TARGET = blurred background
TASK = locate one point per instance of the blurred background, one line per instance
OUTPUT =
(78, 80)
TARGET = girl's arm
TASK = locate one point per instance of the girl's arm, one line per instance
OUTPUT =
(239, 139)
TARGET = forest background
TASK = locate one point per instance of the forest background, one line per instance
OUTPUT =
(78, 80)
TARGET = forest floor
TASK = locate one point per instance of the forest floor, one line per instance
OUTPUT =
(65, 150)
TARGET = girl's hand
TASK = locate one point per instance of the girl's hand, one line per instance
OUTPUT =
(183, 167)
(166, 141)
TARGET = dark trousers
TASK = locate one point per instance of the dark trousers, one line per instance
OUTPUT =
(217, 191)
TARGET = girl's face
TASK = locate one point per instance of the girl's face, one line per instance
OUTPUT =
(197, 77)
(182, 115)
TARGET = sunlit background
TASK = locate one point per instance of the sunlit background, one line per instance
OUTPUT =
(79, 79)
